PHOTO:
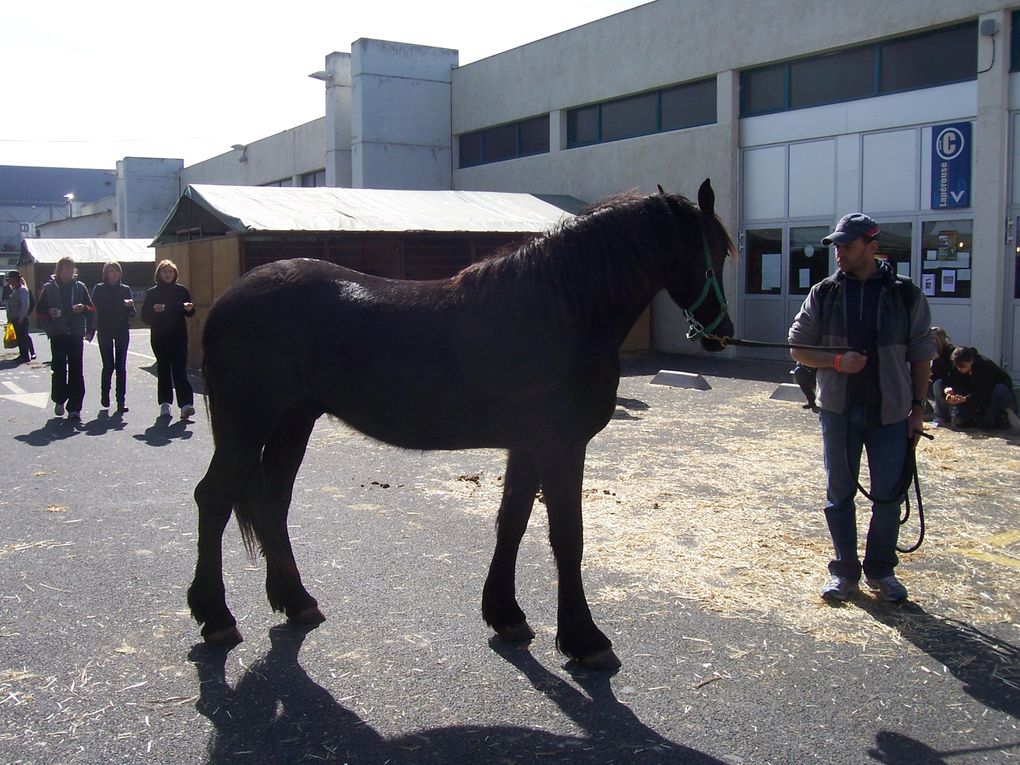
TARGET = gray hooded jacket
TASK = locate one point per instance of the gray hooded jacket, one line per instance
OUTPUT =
(902, 339)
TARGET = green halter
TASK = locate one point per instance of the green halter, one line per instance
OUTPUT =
(697, 331)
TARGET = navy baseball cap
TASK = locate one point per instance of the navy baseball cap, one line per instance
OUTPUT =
(850, 227)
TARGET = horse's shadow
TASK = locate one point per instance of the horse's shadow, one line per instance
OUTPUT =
(54, 429)
(988, 668)
(277, 713)
(162, 432)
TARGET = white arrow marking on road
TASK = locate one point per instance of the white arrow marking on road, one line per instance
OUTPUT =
(13, 388)
(38, 400)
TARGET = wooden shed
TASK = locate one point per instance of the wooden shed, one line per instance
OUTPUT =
(217, 233)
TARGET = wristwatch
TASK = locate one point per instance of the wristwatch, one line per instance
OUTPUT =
(916, 402)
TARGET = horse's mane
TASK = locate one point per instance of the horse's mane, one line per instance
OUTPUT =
(609, 254)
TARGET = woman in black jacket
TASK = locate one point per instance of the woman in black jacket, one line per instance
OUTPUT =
(166, 305)
(114, 309)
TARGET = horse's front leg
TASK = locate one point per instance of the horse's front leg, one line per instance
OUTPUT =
(499, 600)
(577, 636)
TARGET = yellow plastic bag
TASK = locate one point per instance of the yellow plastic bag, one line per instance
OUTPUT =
(10, 336)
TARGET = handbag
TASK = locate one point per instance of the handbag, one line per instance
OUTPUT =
(10, 336)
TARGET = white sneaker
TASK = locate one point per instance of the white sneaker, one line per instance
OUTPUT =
(187, 412)
(59, 410)
(164, 410)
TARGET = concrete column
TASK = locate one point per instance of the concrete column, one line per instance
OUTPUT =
(338, 121)
(989, 189)
(401, 135)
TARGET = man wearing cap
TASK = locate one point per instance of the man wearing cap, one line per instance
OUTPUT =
(18, 307)
(870, 398)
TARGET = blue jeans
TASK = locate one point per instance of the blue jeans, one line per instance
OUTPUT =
(844, 437)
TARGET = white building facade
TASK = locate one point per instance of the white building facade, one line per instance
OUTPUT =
(907, 111)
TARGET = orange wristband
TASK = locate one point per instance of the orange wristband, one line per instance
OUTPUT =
(835, 362)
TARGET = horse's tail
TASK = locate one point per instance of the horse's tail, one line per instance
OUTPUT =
(258, 532)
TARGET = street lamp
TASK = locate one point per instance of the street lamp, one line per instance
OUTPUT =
(70, 204)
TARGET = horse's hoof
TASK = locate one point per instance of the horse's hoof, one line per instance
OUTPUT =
(227, 636)
(601, 661)
(310, 615)
(517, 633)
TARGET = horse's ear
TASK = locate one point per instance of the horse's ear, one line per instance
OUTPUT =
(706, 198)
(659, 187)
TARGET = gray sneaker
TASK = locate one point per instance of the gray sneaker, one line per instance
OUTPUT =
(889, 588)
(59, 410)
(839, 588)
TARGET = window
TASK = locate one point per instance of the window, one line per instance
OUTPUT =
(674, 108)
(909, 63)
(628, 117)
(764, 261)
(946, 249)
(496, 144)
(809, 260)
(314, 179)
(842, 76)
(895, 244)
(583, 126)
(937, 58)
(763, 90)
(689, 105)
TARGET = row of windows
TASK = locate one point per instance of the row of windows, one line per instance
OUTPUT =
(907, 63)
(314, 179)
(945, 260)
(674, 108)
(518, 139)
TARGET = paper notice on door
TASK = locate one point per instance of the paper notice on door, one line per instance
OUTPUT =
(804, 278)
(771, 271)
(903, 268)
(931, 254)
(928, 284)
(949, 280)
(963, 275)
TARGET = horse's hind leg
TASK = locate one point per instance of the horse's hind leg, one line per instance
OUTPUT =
(576, 635)
(281, 460)
(499, 602)
(215, 496)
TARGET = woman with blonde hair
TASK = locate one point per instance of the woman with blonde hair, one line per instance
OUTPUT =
(166, 306)
(114, 309)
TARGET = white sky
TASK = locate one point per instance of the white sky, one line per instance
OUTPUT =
(85, 83)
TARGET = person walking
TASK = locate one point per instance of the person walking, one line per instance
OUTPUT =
(65, 307)
(114, 309)
(166, 306)
(871, 399)
(19, 306)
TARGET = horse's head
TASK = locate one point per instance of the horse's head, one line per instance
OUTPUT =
(697, 288)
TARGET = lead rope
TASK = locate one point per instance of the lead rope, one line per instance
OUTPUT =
(901, 495)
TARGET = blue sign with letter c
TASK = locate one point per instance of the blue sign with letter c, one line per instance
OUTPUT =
(950, 165)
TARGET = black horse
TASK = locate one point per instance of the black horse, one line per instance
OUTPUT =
(518, 352)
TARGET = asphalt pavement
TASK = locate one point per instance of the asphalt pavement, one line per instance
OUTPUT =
(100, 661)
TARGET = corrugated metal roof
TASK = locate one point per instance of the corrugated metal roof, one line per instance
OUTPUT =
(47, 185)
(219, 209)
(87, 250)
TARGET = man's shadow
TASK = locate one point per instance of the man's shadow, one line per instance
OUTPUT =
(104, 423)
(54, 429)
(163, 431)
(277, 713)
(988, 667)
